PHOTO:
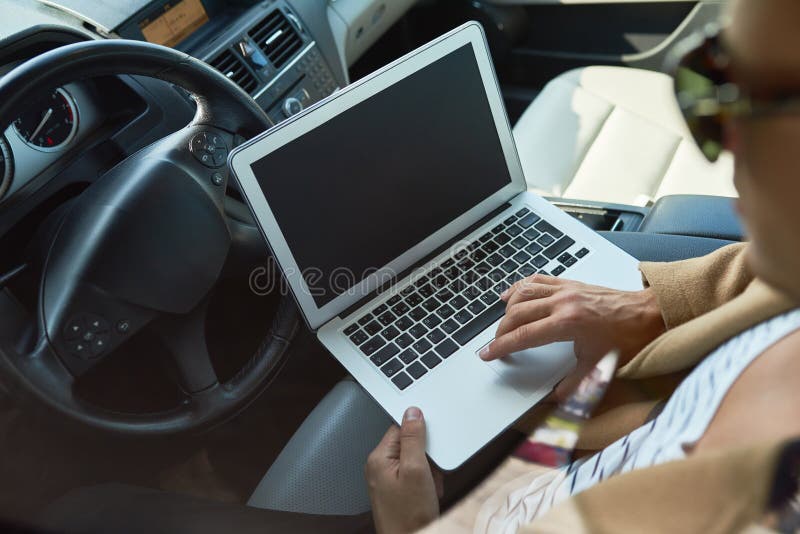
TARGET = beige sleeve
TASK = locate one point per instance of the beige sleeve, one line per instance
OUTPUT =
(687, 289)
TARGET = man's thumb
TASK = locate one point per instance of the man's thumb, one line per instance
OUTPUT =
(412, 437)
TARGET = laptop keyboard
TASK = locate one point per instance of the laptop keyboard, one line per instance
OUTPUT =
(411, 333)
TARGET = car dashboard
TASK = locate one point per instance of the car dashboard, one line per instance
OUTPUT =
(287, 54)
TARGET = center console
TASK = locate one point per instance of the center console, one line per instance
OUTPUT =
(266, 49)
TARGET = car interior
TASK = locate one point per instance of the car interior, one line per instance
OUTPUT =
(147, 341)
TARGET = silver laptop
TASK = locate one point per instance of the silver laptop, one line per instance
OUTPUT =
(398, 211)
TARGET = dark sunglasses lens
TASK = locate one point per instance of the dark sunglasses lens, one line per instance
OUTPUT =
(696, 83)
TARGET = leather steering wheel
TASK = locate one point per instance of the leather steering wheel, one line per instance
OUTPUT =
(145, 243)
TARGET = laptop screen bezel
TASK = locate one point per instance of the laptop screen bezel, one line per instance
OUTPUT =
(243, 157)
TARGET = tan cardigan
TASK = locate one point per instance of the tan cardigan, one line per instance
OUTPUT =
(705, 301)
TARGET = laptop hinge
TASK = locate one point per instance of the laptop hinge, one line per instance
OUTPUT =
(423, 261)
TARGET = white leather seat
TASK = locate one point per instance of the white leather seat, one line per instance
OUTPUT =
(614, 134)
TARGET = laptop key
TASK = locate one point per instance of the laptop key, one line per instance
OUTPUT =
(480, 323)
(528, 220)
(558, 271)
(489, 298)
(496, 275)
(484, 283)
(485, 237)
(472, 292)
(531, 234)
(391, 368)
(430, 304)
(445, 311)
(435, 336)
(358, 337)
(513, 278)
(519, 242)
(463, 316)
(444, 295)
(400, 308)
(560, 246)
(494, 260)
(414, 300)
(456, 287)
(478, 255)
(510, 220)
(385, 354)
(402, 381)
(372, 345)
(431, 360)
(418, 313)
(507, 251)
(490, 247)
(527, 270)
(373, 328)
(502, 239)
(404, 340)
(545, 226)
(446, 348)
(513, 230)
(421, 346)
(387, 318)
(546, 240)
(449, 326)
(510, 266)
(476, 307)
(497, 229)
(458, 302)
(406, 291)
(521, 257)
(351, 329)
(390, 332)
(522, 212)
(426, 291)
(404, 323)
(364, 320)
(534, 248)
(418, 331)
(582, 252)
(416, 370)
(380, 309)
(408, 356)
(431, 321)
(394, 300)
(540, 261)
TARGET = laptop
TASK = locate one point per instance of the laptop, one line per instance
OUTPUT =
(398, 212)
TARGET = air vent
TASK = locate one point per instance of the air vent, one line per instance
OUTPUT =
(234, 69)
(277, 38)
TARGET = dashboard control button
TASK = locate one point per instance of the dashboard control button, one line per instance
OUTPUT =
(124, 326)
(292, 106)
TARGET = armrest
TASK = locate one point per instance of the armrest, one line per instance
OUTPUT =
(664, 247)
(694, 215)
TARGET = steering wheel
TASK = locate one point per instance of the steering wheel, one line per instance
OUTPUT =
(145, 243)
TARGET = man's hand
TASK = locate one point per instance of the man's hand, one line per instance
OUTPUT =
(403, 488)
(544, 309)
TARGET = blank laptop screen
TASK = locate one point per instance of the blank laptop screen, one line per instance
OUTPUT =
(360, 190)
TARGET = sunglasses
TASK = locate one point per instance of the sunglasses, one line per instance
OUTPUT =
(707, 95)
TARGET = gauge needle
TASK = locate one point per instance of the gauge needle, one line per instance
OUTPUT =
(41, 124)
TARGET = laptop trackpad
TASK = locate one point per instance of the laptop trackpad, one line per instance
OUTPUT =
(529, 371)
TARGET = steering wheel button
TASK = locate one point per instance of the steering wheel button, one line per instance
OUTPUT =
(74, 329)
(100, 345)
(220, 155)
(97, 324)
(88, 337)
(79, 349)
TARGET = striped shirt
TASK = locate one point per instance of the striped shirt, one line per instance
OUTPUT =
(667, 437)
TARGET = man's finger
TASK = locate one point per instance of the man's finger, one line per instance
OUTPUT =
(412, 441)
(529, 335)
(536, 279)
(523, 313)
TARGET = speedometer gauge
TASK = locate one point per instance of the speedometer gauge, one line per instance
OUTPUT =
(6, 166)
(49, 122)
